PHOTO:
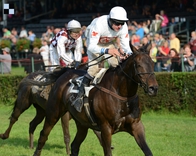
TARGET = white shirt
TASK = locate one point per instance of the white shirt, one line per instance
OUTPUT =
(45, 52)
(100, 32)
(65, 43)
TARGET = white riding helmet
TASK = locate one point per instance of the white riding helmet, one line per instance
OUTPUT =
(73, 25)
(118, 13)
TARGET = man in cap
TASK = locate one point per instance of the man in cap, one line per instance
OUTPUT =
(5, 61)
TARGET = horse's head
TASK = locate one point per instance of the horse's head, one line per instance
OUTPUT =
(143, 71)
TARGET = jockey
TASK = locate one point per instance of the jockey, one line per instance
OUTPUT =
(63, 42)
(107, 35)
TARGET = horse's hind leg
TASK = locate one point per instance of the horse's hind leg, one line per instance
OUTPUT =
(40, 114)
(79, 138)
(65, 126)
(53, 114)
(19, 108)
(139, 135)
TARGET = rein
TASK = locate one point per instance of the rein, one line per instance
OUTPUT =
(141, 83)
(114, 94)
(96, 59)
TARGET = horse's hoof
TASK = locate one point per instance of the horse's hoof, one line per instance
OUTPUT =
(112, 147)
(2, 136)
(37, 153)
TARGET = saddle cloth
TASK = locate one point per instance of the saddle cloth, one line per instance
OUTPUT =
(43, 91)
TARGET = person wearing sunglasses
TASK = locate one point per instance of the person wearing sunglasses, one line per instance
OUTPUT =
(62, 44)
(106, 35)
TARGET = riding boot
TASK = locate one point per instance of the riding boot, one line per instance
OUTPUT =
(78, 103)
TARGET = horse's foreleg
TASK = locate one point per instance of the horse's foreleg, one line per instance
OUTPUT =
(139, 135)
(106, 136)
(40, 114)
(18, 110)
(65, 126)
(79, 138)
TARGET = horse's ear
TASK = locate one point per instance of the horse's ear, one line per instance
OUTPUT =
(133, 48)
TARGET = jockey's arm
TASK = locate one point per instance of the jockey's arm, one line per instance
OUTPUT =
(61, 49)
(78, 50)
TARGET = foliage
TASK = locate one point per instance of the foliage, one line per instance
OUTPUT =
(37, 43)
(8, 88)
(5, 43)
(22, 44)
(177, 92)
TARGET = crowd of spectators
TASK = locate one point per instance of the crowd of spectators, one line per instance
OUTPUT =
(149, 35)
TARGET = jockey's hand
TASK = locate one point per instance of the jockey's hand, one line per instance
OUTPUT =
(77, 63)
(114, 52)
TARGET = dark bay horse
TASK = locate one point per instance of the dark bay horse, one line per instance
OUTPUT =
(26, 97)
(113, 103)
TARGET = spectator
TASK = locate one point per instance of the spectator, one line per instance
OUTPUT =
(31, 36)
(157, 40)
(145, 45)
(14, 38)
(188, 59)
(172, 25)
(174, 61)
(135, 40)
(5, 61)
(131, 30)
(23, 33)
(139, 29)
(193, 42)
(163, 52)
(49, 34)
(153, 54)
(145, 27)
(6, 33)
(164, 22)
(174, 42)
(156, 24)
(44, 51)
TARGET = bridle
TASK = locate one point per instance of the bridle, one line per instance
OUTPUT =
(143, 84)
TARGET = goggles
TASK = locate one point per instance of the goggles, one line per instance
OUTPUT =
(75, 30)
(117, 22)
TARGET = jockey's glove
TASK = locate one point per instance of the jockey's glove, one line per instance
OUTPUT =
(75, 64)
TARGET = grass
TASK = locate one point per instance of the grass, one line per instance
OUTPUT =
(18, 71)
(166, 135)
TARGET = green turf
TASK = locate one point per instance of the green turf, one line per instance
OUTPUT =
(166, 135)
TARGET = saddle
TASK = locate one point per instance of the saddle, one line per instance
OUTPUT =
(75, 83)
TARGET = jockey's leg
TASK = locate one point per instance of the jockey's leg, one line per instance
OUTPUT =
(78, 103)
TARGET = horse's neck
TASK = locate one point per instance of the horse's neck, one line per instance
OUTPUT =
(121, 84)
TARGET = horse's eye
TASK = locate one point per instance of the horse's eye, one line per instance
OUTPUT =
(138, 66)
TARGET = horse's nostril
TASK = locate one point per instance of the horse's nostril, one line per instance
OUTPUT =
(153, 89)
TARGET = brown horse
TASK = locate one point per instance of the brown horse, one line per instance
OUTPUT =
(26, 97)
(114, 104)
